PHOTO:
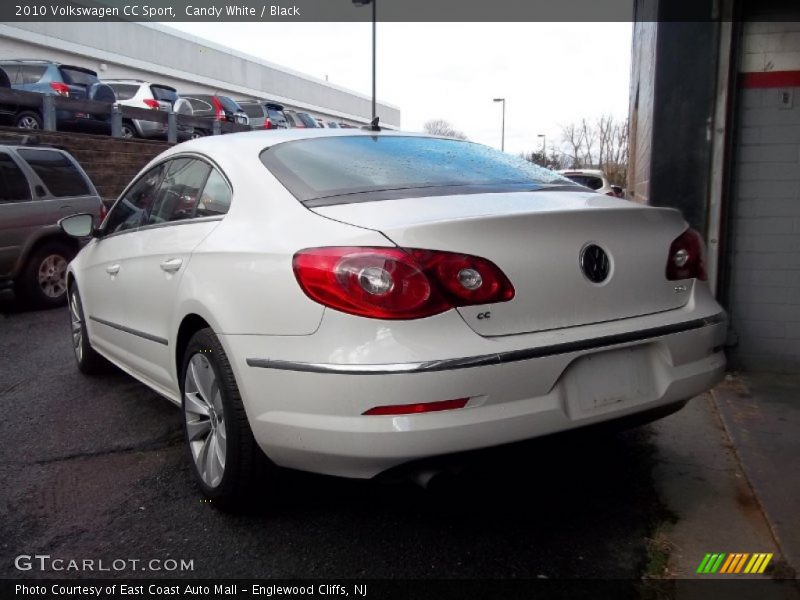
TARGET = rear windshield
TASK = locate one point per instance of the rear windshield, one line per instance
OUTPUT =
(77, 77)
(57, 172)
(590, 181)
(164, 94)
(124, 91)
(254, 111)
(334, 170)
(276, 115)
(307, 120)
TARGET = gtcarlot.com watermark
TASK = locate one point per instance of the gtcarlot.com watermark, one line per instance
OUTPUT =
(46, 563)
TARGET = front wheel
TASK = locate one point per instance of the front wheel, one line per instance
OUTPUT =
(227, 463)
(88, 360)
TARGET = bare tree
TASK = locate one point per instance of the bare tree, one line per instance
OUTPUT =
(572, 137)
(554, 161)
(443, 128)
(599, 145)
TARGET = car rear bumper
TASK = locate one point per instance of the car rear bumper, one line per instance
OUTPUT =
(311, 418)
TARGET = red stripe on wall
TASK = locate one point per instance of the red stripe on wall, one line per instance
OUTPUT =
(770, 79)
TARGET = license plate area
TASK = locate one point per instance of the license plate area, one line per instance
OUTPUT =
(609, 381)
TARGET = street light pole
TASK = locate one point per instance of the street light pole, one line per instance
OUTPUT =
(503, 128)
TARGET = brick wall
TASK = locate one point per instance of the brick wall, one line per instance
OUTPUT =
(764, 248)
(110, 163)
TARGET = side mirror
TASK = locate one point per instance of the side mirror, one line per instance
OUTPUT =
(79, 226)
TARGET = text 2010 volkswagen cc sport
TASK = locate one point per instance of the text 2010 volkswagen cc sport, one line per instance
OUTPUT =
(346, 301)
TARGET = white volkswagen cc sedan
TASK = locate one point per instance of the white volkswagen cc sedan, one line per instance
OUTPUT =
(347, 301)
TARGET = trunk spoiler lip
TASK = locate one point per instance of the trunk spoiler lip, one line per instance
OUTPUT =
(495, 358)
(430, 191)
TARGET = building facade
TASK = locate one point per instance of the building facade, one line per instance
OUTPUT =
(151, 52)
(715, 132)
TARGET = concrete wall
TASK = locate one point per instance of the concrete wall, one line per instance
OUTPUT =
(110, 163)
(155, 53)
(764, 249)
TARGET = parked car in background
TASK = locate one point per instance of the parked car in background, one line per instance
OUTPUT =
(214, 107)
(301, 119)
(373, 299)
(594, 179)
(264, 115)
(46, 77)
(156, 96)
(38, 186)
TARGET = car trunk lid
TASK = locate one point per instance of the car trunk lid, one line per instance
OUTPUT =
(537, 239)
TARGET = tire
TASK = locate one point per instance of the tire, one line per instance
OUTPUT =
(43, 281)
(234, 480)
(128, 130)
(88, 360)
(198, 133)
(28, 119)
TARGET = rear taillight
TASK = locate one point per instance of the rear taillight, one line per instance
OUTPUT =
(101, 216)
(219, 112)
(62, 89)
(394, 283)
(420, 407)
(612, 193)
(151, 103)
(687, 257)
(268, 124)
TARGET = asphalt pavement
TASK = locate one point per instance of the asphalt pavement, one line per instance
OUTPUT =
(94, 468)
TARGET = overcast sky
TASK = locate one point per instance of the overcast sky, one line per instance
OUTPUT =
(551, 74)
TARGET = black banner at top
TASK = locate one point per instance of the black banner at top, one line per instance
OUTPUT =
(386, 10)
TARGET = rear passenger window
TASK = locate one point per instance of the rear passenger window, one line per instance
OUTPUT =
(13, 183)
(57, 172)
(31, 74)
(132, 209)
(180, 190)
(216, 197)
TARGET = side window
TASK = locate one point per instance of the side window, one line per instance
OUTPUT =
(132, 209)
(57, 172)
(13, 183)
(13, 72)
(31, 74)
(180, 190)
(200, 105)
(216, 197)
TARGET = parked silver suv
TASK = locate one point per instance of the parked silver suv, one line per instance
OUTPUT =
(38, 186)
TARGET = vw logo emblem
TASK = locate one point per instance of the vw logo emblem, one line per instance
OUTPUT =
(595, 263)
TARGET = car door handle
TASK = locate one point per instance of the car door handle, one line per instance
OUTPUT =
(171, 265)
(112, 269)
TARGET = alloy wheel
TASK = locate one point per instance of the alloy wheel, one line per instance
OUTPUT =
(28, 122)
(205, 421)
(53, 275)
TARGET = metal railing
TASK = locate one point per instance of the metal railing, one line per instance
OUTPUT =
(47, 104)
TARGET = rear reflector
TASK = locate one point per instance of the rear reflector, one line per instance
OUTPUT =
(421, 407)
